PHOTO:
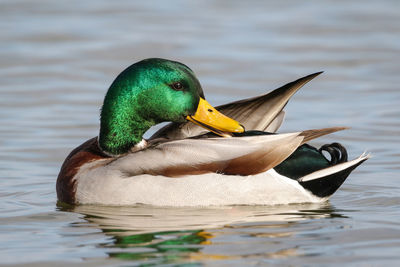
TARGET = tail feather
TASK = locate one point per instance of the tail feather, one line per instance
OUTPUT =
(325, 182)
(337, 152)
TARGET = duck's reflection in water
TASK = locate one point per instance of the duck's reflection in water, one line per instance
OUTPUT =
(155, 235)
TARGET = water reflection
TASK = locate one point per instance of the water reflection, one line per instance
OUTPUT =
(168, 235)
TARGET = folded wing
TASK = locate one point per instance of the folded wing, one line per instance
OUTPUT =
(247, 155)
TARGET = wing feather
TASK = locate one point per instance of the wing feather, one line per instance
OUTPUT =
(247, 155)
(315, 133)
(236, 155)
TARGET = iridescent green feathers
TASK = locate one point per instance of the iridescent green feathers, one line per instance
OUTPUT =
(146, 93)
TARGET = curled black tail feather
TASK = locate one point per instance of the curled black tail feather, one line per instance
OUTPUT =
(336, 151)
(325, 186)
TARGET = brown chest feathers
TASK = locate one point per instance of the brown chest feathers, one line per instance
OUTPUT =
(85, 153)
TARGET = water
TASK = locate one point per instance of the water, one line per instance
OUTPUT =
(59, 57)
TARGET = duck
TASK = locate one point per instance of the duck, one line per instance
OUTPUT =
(204, 156)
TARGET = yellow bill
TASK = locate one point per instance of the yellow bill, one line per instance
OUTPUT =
(208, 117)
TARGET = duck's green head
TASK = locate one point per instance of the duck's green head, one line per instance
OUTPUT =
(153, 91)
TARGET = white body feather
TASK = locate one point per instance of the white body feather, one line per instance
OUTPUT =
(97, 186)
(121, 182)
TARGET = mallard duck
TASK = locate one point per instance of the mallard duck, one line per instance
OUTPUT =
(202, 157)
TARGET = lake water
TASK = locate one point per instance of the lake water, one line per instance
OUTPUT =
(59, 57)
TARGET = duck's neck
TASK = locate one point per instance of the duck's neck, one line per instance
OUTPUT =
(121, 123)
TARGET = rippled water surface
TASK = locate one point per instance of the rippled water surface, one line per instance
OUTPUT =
(59, 57)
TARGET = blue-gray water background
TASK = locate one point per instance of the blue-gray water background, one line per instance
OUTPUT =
(57, 59)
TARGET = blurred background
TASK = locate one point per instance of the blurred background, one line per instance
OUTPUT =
(57, 59)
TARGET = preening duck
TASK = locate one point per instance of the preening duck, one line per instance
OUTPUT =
(202, 157)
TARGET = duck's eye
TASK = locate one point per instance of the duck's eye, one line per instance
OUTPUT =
(177, 86)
